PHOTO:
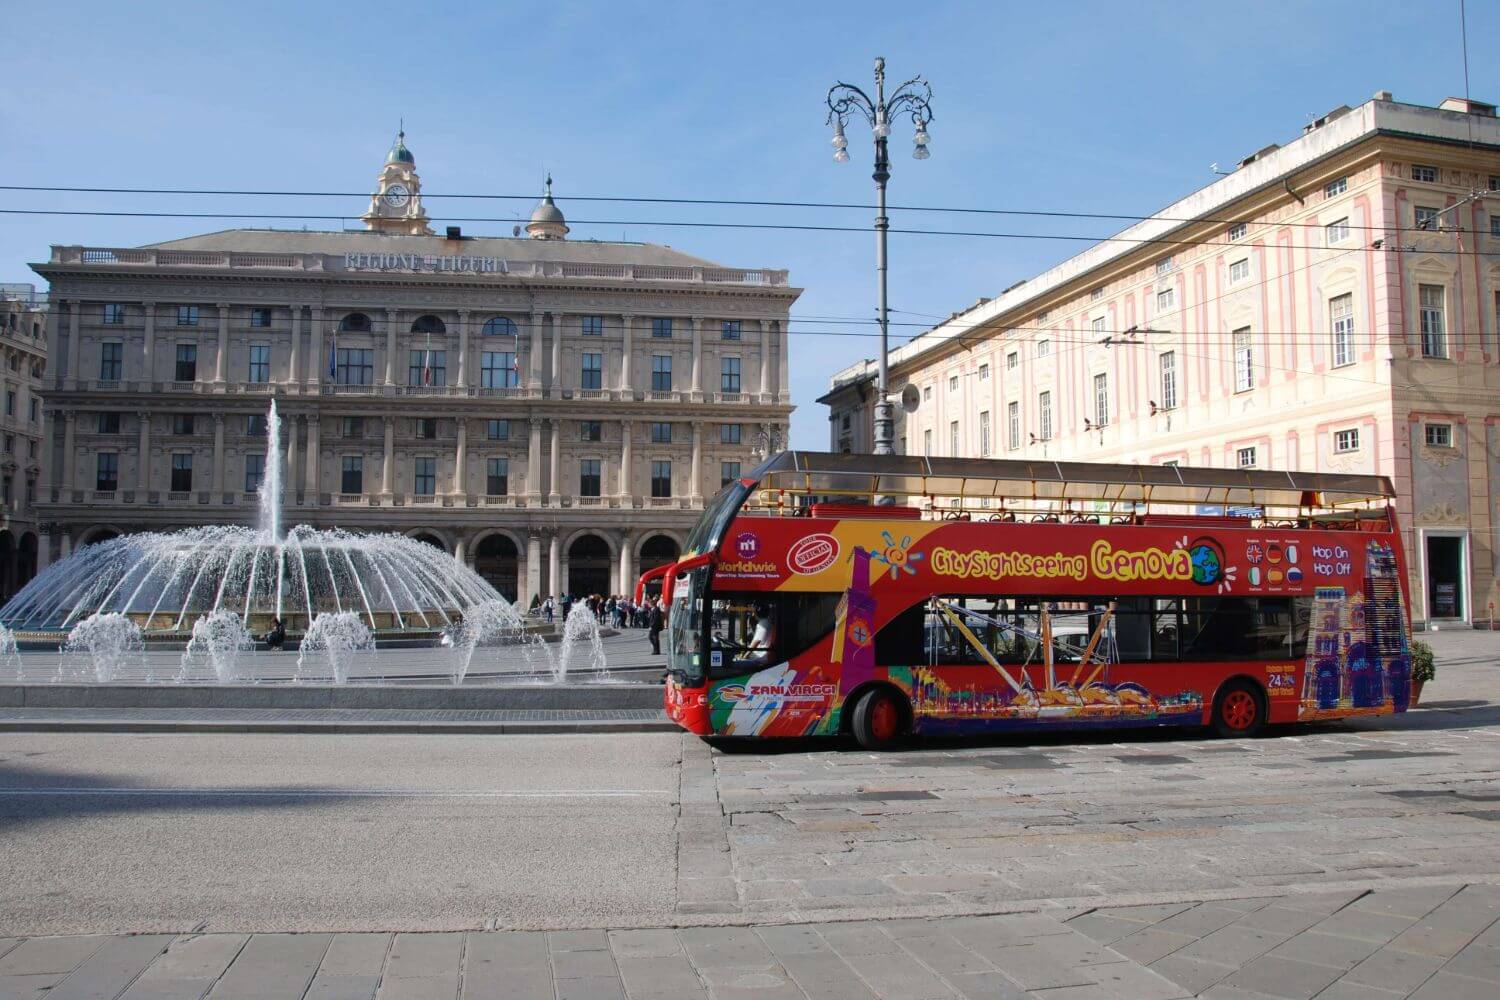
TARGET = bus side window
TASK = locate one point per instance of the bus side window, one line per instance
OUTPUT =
(1165, 628)
(1132, 621)
(900, 643)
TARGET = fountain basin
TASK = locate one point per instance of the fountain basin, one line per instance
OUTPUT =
(571, 697)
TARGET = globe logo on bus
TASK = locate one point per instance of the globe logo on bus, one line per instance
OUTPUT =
(1208, 561)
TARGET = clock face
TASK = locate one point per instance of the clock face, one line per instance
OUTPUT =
(396, 195)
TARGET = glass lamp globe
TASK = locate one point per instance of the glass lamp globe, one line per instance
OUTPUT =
(882, 129)
(920, 153)
(839, 142)
(840, 156)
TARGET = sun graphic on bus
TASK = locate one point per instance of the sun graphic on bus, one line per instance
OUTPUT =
(898, 556)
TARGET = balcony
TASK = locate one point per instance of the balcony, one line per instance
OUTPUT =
(334, 389)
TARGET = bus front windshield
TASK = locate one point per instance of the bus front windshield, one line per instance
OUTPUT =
(685, 628)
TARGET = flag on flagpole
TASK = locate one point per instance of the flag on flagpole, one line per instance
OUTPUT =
(333, 352)
(427, 360)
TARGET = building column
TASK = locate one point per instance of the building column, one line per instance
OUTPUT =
(462, 381)
(534, 463)
(148, 346)
(534, 365)
(556, 382)
(695, 488)
(388, 467)
(392, 317)
(218, 480)
(783, 380)
(625, 469)
(533, 569)
(626, 390)
(460, 458)
(765, 357)
(74, 307)
(69, 460)
(289, 428)
(47, 431)
(554, 498)
(65, 544)
(143, 463)
(627, 578)
(294, 363)
(554, 565)
(697, 358)
(316, 362)
(314, 450)
(221, 363)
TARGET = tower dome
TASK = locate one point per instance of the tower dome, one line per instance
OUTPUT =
(547, 222)
(399, 153)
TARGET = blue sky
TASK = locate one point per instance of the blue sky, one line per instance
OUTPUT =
(1106, 107)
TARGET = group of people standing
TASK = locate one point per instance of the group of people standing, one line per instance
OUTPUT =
(614, 610)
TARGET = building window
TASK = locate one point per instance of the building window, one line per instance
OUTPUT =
(1012, 361)
(926, 393)
(1013, 425)
(261, 318)
(497, 477)
(1438, 435)
(588, 477)
(10, 403)
(1495, 226)
(1167, 365)
(661, 432)
(187, 363)
(927, 441)
(661, 326)
(1044, 415)
(730, 433)
(114, 314)
(1245, 458)
(111, 361)
(255, 471)
(1097, 325)
(35, 412)
(426, 476)
(984, 432)
(729, 374)
(1341, 322)
(1043, 348)
(661, 478)
(1495, 182)
(590, 430)
(182, 472)
(1239, 270)
(497, 370)
(427, 428)
(661, 373)
(1164, 266)
(1346, 441)
(1165, 298)
(1101, 400)
(591, 326)
(1426, 174)
(952, 383)
(729, 329)
(953, 438)
(354, 366)
(182, 424)
(352, 475)
(1244, 361)
(984, 373)
(187, 315)
(107, 479)
(355, 323)
(592, 376)
(1425, 218)
(1335, 188)
(427, 367)
(256, 425)
(728, 473)
(1096, 294)
(1431, 307)
(497, 430)
(428, 324)
(352, 428)
(109, 423)
(260, 363)
(1236, 232)
(498, 326)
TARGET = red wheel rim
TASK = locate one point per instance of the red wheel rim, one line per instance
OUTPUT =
(885, 721)
(1239, 710)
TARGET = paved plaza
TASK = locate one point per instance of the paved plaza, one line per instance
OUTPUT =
(1350, 860)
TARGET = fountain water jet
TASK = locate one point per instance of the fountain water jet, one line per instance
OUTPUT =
(581, 627)
(501, 625)
(111, 641)
(217, 642)
(10, 654)
(338, 636)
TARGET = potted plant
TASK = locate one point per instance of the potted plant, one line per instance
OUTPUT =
(1422, 668)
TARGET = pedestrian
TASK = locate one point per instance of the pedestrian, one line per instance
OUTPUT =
(276, 638)
(657, 621)
(547, 609)
(567, 605)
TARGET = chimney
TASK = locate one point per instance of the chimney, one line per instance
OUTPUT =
(1464, 105)
(1384, 95)
(455, 233)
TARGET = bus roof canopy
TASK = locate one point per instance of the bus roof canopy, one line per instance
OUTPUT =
(851, 477)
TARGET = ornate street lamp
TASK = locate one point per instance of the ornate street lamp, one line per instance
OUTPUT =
(844, 101)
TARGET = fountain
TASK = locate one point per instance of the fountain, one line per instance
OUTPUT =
(219, 638)
(10, 655)
(581, 627)
(338, 636)
(501, 625)
(109, 640)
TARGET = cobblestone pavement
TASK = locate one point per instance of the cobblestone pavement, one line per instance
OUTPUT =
(1438, 941)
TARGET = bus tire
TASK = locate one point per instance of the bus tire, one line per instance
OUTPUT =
(1239, 710)
(879, 720)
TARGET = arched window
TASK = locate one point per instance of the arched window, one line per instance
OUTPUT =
(428, 324)
(499, 326)
(355, 323)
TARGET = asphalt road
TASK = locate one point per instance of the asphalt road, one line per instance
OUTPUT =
(293, 832)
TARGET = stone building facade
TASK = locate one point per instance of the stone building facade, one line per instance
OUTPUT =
(23, 365)
(1331, 305)
(552, 411)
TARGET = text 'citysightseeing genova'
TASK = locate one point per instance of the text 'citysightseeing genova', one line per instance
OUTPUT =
(1104, 561)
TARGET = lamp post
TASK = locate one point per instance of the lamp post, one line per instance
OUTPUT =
(845, 101)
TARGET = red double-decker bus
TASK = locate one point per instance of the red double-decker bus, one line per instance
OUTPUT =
(887, 596)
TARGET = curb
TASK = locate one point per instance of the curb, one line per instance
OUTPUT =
(340, 728)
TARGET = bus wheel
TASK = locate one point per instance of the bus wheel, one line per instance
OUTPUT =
(879, 720)
(1239, 710)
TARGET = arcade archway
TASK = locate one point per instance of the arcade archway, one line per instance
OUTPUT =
(588, 566)
(498, 561)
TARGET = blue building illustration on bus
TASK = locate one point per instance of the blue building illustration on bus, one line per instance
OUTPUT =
(1357, 653)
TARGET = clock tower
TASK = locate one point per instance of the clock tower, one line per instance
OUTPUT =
(396, 205)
